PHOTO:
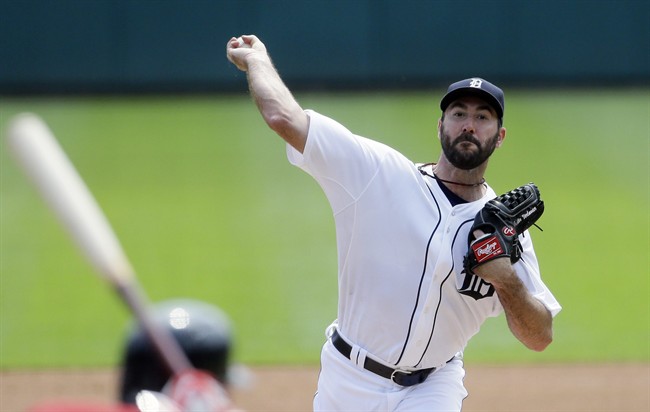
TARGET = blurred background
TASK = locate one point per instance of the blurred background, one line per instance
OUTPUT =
(160, 125)
(132, 46)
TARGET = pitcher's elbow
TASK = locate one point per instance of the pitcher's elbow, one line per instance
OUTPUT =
(277, 122)
(543, 342)
(292, 128)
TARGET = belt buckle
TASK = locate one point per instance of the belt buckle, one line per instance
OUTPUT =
(400, 373)
(410, 378)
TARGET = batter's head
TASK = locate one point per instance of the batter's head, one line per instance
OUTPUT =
(203, 332)
(475, 86)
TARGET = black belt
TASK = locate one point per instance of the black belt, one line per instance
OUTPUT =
(404, 378)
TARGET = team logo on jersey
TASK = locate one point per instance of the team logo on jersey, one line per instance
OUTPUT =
(475, 287)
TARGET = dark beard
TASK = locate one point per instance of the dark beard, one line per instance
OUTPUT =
(465, 159)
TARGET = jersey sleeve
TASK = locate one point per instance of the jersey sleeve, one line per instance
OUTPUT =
(342, 163)
(527, 269)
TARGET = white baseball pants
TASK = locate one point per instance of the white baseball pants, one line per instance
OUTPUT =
(345, 386)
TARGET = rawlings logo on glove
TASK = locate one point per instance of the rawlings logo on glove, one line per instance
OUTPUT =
(502, 220)
(486, 249)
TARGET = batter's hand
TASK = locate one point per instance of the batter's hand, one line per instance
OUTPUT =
(239, 50)
(196, 390)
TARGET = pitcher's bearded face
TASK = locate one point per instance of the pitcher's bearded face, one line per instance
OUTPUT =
(466, 151)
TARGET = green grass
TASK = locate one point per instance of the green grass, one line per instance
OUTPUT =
(206, 206)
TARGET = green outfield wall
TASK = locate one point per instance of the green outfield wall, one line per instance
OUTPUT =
(125, 46)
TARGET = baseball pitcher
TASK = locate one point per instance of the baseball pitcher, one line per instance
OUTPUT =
(426, 252)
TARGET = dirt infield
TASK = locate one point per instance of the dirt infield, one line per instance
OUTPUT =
(560, 388)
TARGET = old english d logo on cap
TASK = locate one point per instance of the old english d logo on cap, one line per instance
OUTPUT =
(476, 83)
(478, 87)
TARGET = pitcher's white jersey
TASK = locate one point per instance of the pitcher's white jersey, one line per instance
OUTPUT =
(403, 294)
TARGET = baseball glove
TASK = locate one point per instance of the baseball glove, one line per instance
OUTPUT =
(502, 220)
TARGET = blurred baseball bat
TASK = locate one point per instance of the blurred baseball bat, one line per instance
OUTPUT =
(45, 162)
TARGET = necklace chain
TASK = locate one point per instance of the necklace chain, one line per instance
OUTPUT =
(447, 181)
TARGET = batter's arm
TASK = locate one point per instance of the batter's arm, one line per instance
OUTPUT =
(528, 319)
(275, 102)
